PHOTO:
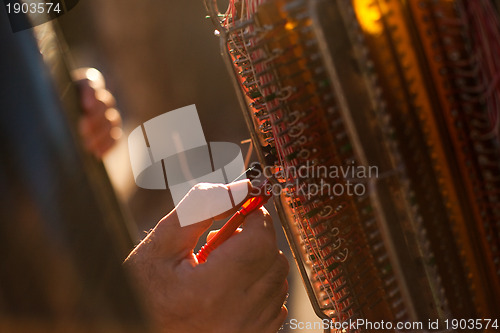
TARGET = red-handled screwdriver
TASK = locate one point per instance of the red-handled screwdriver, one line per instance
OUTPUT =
(249, 206)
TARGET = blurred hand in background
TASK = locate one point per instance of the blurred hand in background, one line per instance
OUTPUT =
(100, 125)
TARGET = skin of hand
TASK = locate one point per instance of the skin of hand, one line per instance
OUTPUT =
(241, 288)
(100, 124)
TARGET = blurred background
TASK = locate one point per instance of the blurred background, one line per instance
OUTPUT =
(157, 56)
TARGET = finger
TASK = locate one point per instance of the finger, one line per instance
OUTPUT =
(247, 255)
(174, 242)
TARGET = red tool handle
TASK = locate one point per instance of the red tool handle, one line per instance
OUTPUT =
(230, 227)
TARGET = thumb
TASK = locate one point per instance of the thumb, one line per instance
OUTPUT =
(211, 201)
(199, 207)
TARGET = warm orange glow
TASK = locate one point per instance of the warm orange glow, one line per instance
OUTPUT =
(290, 25)
(369, 16)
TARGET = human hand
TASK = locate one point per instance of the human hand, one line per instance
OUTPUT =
(100, 124)
(241, 287)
